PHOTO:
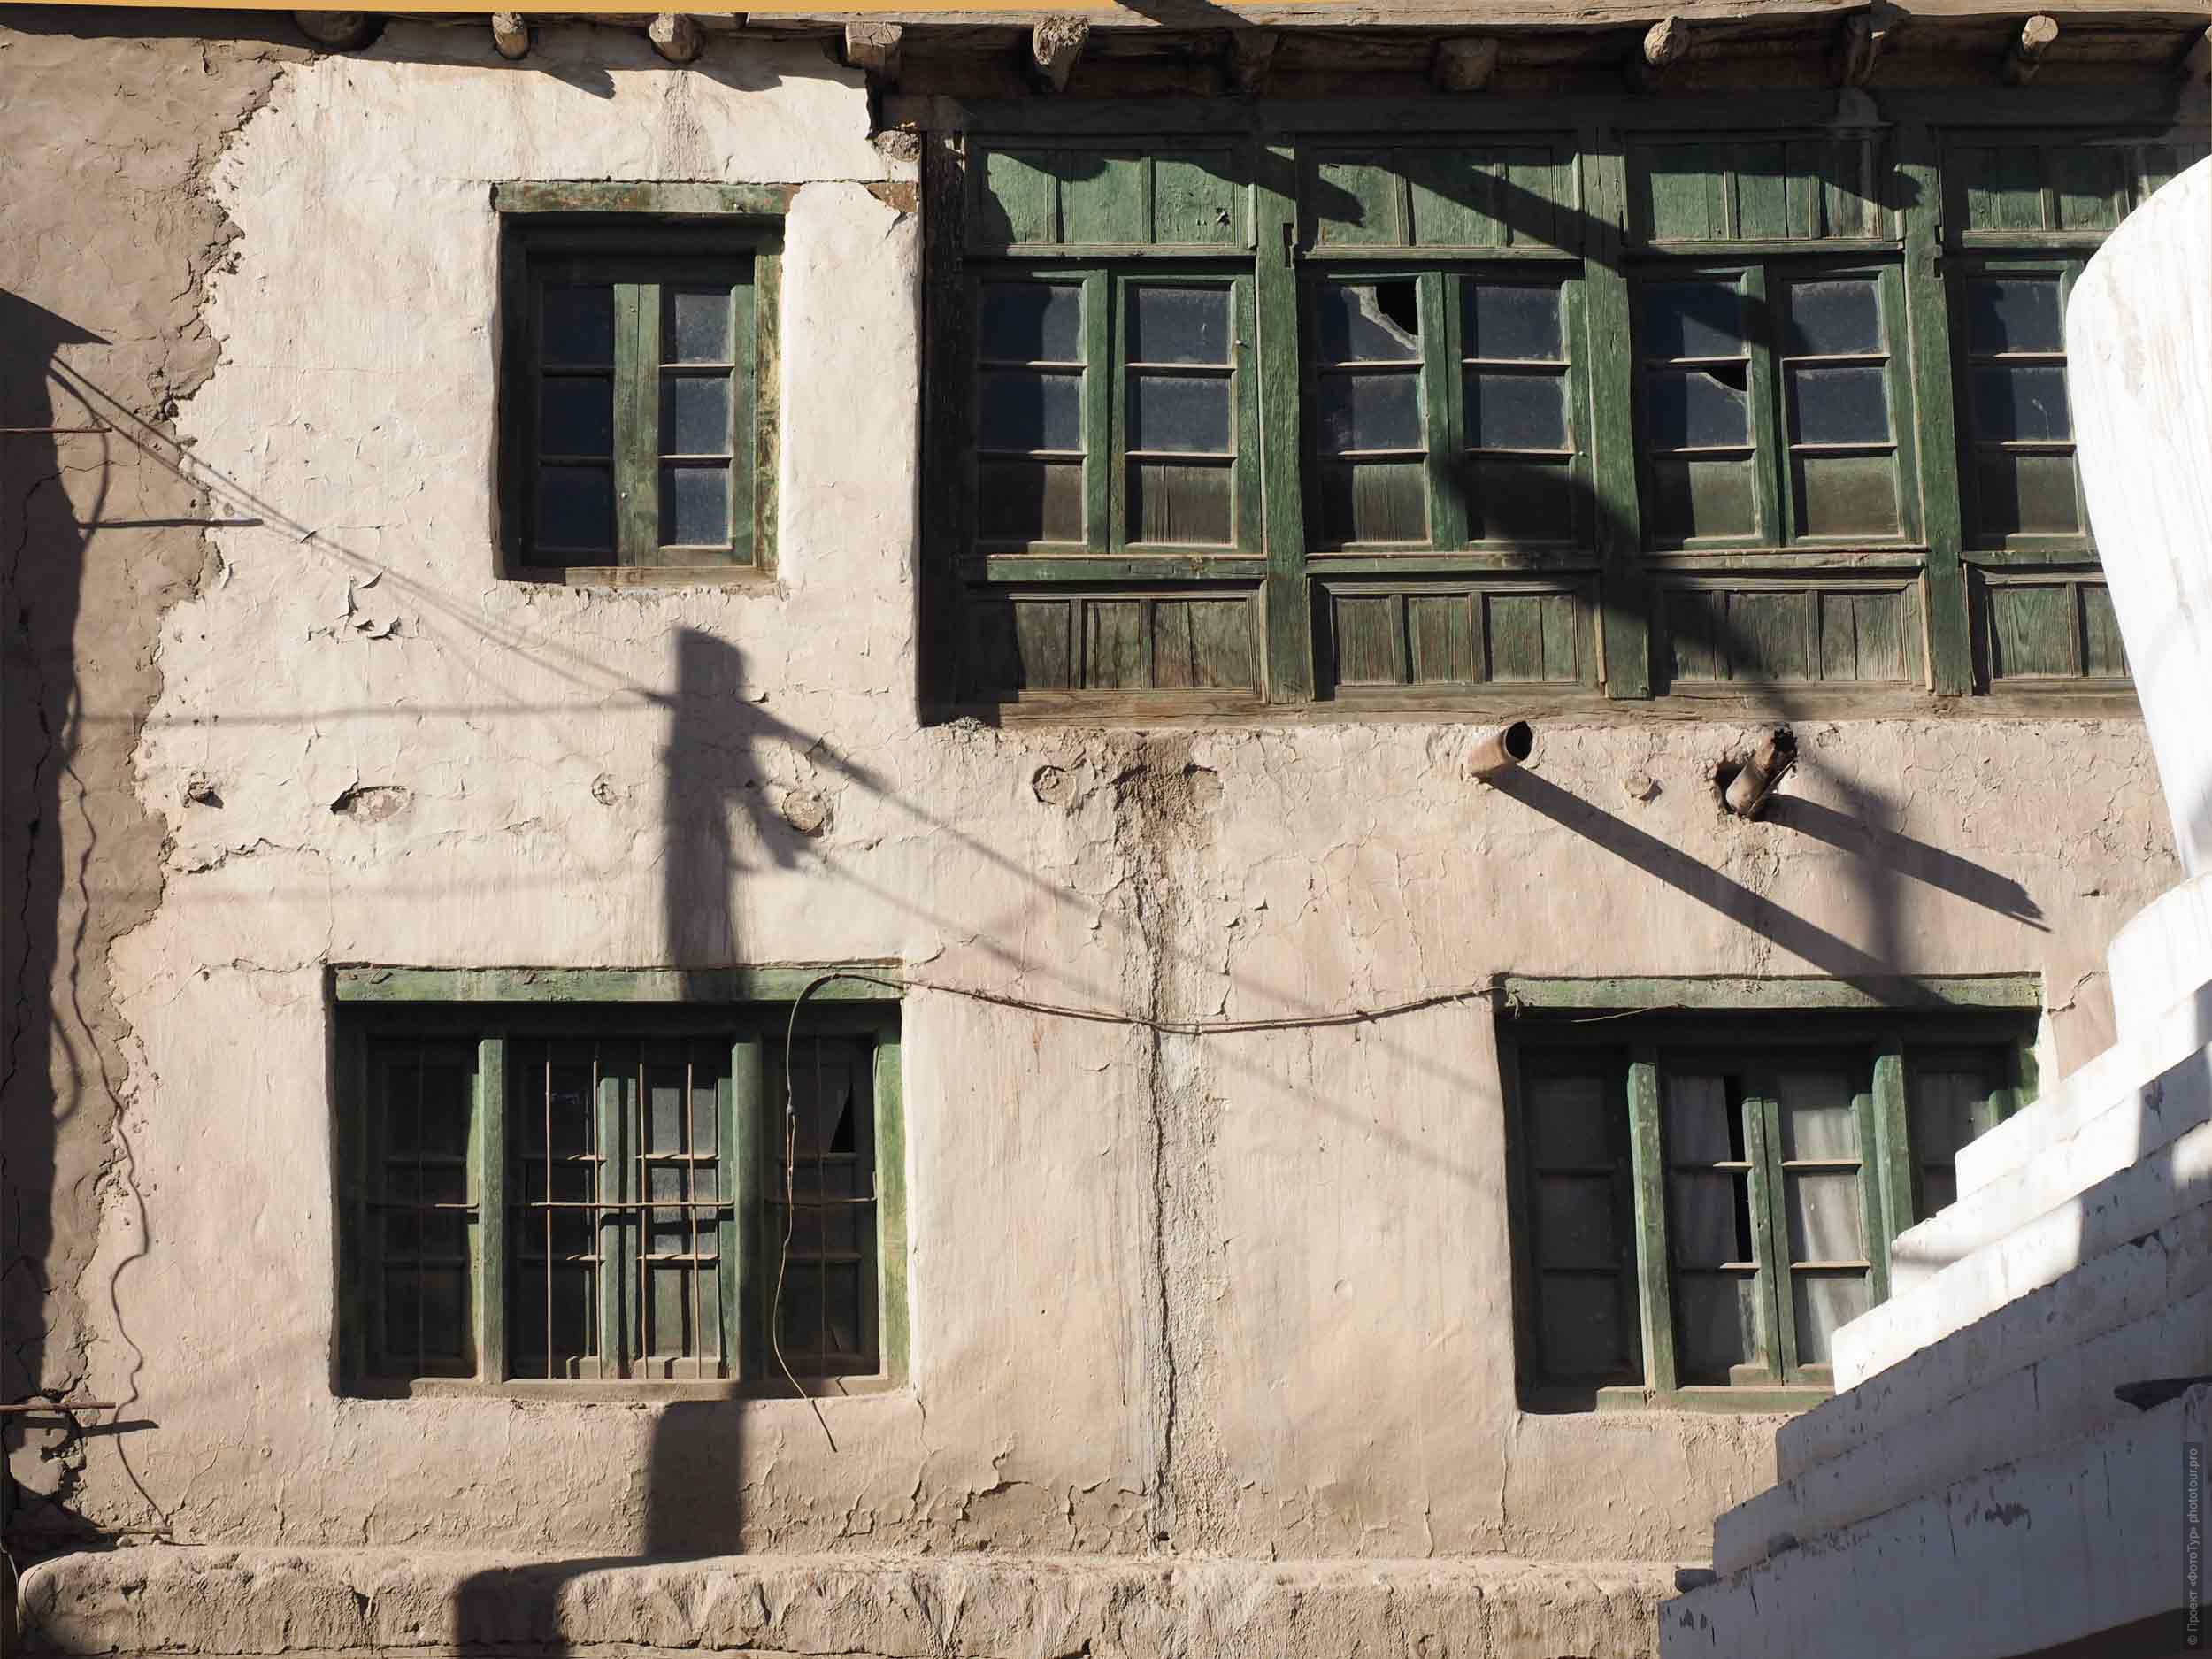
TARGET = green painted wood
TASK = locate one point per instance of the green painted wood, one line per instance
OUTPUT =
(1443, 640)
(2017, 992)
(596, 195)
(893, 1315)
(488, 1188)
(618, 1310)
(1126, 567)
(1364, 639)
(1104, 196)
(777, 983)
(1736, 1402)
(1016, 198)
(762, 393)
(1442, 413)
(1117, 647)
(1606, 345)
(1200, 198)
(1893, 1150)
(1287, 609)
(2032, 630)
(1045, 656)
(1928, 319)
(729, 1233)
(1770, 1233)
(637, 422)
(1244, 391)
(1648, 1174)
(749, 1249)
(1103, 490)
(2104, 654)
(1873, 1220)
(1204, 644)
(1351, 197)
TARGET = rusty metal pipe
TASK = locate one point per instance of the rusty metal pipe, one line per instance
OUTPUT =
(1500, 750)
(1762, 769)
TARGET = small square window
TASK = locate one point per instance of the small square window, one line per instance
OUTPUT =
(636, 407)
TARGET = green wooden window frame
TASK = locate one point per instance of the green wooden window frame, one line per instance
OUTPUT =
(638, 383)
(1638, 1289)
(1860, 566)
(540, 1188)
(1782, 448)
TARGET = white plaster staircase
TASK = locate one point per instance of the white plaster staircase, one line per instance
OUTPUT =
(1976, 1486)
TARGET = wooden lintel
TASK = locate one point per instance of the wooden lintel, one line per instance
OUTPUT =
(2024, 54)
(1251, 52)
(339, 31)
(510, 33)
(1864, 37)
(1055, 43)
(874, 48)
(1465, 63)
(675, 36)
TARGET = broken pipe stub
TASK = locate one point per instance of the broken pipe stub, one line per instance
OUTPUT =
(1500, 750)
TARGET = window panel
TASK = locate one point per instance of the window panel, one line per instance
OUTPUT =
(1510, 321)
(421, 1115)
(1180, 325)
(1172, 413)
(1370, 412)
(1516, 411)
(576, 326)
(576, 415)
(1838, 405)
(2017, 424)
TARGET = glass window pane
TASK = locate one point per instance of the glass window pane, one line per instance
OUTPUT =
(699, 326)
(695, 415)
(576, 508)
(1511, 319)
(1368, 322)
(1029, 500)
(1574, 1221)
(1825, 1303)
(1566, 1117)
(1943, 1105)
(1031, 322)
(1369, 411)
(1835, 318)
(2013, 314)
(1692, 319)
(1716, 1325)
(578, 325)
(576, 416)
(1582, 1327)
(1819, 1117)
(2022, 399)
(1838, 405)
(1703, 1125)
(1180, 325)
(1846, 495)
(2026, 495)
(1708, 1217)
(1179, 413)
(1019, 408)
(695, 506)
(1516, 411)
(1823, 1217)
(1696, 409)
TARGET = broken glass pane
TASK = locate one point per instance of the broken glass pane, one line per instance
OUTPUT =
(1368, 322)
(1695, 409)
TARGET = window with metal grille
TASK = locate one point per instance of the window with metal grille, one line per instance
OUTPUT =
(602, 1194)
(1704, 1203)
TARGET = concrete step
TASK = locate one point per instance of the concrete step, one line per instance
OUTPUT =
(2006, 1562)
(2062, 1396)
(2137, 1122)
(2162, 953)
(2120, 1287)
(2183, 1028)
(2125, 1204)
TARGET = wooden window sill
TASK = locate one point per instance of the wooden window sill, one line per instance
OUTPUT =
(1743, 1401)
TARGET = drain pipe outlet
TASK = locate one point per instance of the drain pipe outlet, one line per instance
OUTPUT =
(1761, 773)
(1500, 750)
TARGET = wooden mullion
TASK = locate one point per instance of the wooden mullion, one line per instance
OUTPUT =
(893, 1337)
(1647, 1163)
(611, 1230)
(1608, 352)
(1103, 396)
(745, 454)
(1769, 435)
(1289, 676)
(1444, 422)
(1866, 1115)
(359, 1281)
(1927, 321)
(729, 1232)
(488, 1152)
(1770, 1235)
(1251, 536)
(750, 1250)
(637, 422)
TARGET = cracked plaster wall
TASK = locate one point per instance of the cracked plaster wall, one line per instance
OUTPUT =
(1247, 1295)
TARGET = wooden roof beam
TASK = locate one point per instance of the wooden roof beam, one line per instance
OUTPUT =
(1864, 37)
(1055, 43)
(874, 48)
(339, 31)
(1251, 54)
(511, 34)
(674, 36)
(2024, 56)
(1465, 63)
(1668, 43)
(2196, 62)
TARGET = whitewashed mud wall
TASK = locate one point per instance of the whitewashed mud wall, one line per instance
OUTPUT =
(1248, 1295)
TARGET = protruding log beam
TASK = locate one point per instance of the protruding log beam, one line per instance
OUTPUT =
(1054, 44)
(674, 36)
(339, 31)
(2196, 62)
(2024, 56)
(510, 33)
(1667, 43)
(1251, 53)
(875, 48)
(1864, 36)
(1464, 64)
